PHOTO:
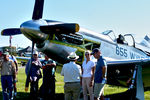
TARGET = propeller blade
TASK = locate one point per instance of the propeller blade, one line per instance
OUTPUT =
(11, 31)
(38, 9)
(60, 28)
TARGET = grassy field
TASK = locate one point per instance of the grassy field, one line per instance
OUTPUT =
(22, 95)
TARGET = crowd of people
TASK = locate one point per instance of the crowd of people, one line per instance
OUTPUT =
(9, 70)
(90, 77)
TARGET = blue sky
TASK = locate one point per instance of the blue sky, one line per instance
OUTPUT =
(121, 16)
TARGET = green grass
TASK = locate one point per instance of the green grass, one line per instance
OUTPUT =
(22, 95)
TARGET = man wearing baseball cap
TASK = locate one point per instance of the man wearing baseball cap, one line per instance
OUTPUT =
(100, 74)
(7, 71)
(33, 75)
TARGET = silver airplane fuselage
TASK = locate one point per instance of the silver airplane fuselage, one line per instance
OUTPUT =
(109, 48)
(59, 46)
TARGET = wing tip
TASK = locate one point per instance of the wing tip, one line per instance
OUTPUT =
(2, 32)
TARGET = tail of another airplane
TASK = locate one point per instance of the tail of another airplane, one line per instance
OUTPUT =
(147, 38)
(146, 41)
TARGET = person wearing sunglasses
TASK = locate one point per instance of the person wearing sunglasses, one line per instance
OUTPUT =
(88, 76)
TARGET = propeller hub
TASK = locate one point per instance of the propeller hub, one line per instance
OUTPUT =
(31, 30)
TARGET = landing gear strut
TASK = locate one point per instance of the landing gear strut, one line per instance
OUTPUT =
(137, 82)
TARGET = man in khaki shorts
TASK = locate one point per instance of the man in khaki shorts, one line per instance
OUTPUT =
(100, 74)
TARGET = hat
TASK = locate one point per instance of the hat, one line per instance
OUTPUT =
(35, 52)
(6, 50)
(88, 52)
(73, 56)
(94, 51)
(5, 53)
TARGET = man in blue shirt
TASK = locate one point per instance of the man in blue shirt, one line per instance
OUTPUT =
(100, 74)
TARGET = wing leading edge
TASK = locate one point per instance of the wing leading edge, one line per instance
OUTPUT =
(121, 71)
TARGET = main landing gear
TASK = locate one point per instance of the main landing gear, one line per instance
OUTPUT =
(136, 87)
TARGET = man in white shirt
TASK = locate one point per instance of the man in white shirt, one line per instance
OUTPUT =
(72, 74)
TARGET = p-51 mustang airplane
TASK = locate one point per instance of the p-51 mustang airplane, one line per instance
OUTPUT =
(57, 40)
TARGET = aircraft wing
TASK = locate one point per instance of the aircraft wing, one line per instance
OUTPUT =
(23, 60)
(143, 61)
(120, 71)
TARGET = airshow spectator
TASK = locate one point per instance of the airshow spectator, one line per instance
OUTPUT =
(7, 71)
(100, 74)
(33, 75)
(88, 76)
(47, 89)
(72, 74)
(13, 58)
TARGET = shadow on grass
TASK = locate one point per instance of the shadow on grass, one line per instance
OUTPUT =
(20, 96)
(26, 96)
(147, 89)
(127, 95)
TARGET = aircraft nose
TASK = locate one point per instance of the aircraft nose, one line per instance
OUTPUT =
(31, 30)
